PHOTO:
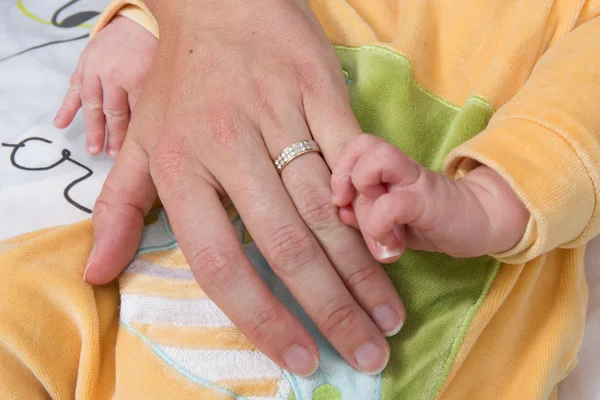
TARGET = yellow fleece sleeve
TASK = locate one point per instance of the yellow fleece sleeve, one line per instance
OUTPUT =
(135, 10)
(57, 333)
(546, 143)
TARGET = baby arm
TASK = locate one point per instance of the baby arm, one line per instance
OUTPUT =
(402, 204)
(107, 82)
(544, 143)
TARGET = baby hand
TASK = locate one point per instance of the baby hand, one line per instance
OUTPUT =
(397, 203)
(107, 82)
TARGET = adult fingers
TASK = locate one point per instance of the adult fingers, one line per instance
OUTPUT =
(91, 99)
(327, 108)
(288, 243)
(307, 182)
(72, 101)
(126, 197)
(116, 113)
(296, 257)
(214, 252)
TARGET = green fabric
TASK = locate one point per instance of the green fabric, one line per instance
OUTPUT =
(441, 293)
(326, 392)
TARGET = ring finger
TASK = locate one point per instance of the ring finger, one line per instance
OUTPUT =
(290, 248)
(307, 180)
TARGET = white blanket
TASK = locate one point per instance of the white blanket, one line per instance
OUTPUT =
(45, 175)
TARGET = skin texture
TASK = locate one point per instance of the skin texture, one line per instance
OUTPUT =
(218, 106)
(107, 82)
(400, 204)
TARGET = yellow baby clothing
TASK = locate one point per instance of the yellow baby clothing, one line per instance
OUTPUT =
(453, 84)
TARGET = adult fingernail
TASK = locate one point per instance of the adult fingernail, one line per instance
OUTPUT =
(371, 358)
(387, 252)
(387, 320)
(90, 261)
(301, 361)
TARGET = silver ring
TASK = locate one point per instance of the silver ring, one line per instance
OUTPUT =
(293, 151)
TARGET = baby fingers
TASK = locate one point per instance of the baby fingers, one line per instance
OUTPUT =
(116, 113)
(93, 114)
(341, 181)
(383, 167)
(383, 227)
(72, 101)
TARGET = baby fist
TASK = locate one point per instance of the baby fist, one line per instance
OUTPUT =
(398, 204)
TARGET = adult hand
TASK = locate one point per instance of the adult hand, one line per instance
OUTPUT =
(232, 85)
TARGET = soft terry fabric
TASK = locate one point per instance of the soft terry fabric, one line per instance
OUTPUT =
(451, 84)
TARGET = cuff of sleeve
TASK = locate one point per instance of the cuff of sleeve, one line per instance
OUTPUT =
(544, 171)
(135, 10)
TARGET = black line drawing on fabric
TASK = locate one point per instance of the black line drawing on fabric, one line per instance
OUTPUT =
(39, 46)
(70, 21)
(65, 156)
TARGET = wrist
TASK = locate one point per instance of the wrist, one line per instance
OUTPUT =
(506, 213)
(172, 18)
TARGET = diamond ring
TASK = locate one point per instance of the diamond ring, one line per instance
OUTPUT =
(295, 150)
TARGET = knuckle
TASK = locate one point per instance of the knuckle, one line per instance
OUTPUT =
(213, 265)
(71, 100)
(112, 72)
(384, 151)
(366, 140)
(75, 81)
(167, 158)
(115, 202)
(317, 210)
(290, 247)
(90, 99)
(311, 77)
(337, 317)
(89, 102)
(263, 325)
(362, 201)
(223, 126)
(116, 115)
(365, 275)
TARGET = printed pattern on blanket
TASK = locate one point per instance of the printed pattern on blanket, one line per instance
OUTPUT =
(162, 304)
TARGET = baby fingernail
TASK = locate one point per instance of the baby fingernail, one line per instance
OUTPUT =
(387, 320)
(387, 252)
(112, 152)
(92, 148)
(371, 358)
(301, 361)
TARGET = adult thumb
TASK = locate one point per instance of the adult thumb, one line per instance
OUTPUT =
(118, 218)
